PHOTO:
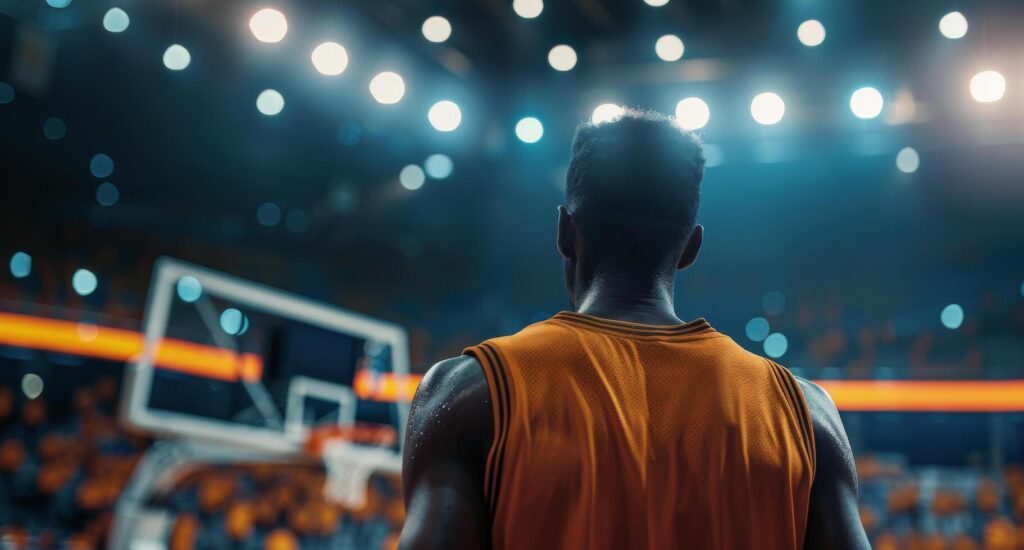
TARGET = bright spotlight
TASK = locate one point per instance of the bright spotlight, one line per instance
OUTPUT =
(439, 166)
(952, 316)
(692, 113)
(988, 86)
(445, 116)
(529, 130)
(84, 282)
(437, 29)
(669, 48)
(115, 20)
(387, 88)
(528, 9)
(953, 25)
(866, 103)
(562, 57)
(811, 33)
(412, 177)
(330, 58)
(767, 108)
(656, 3)
(907, 160)
(21, 265)
(176, 57)
(270, 102)
(268, 25)
(606, 112)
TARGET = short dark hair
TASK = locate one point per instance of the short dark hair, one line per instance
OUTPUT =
(635, 177)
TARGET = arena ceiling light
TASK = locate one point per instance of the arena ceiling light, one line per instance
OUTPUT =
(866, 103)
(606, 112)
(387, 88)
(445, 116)
(437, 29)
(953, 25)
(669, 48)
(811, 33)
(529, 130)
(268, 25)
(176, 57)
(562, 58)
(988, 87)
(330, 58)
(528, 9)
(692, 113)
(270, 102)
(767, 108)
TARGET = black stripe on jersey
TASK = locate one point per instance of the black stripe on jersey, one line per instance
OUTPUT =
(642, 330)
(507, 404)
(484, 357)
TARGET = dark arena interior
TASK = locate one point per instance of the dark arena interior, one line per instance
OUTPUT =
(235, 234)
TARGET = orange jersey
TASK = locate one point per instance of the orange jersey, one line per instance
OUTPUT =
(621, 435)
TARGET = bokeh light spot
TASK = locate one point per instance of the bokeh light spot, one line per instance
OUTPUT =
(101, 165)
(439, 166)
(669, 48)
(330, 58)
(387, 88)
(270, 102)
(988, 87)
(445, 116)
(84, 282)
(952, 316)
(953, 25)
(54, 128)
(811, 33)
(529, 130)
(907, 160)
(32, 385)
(176, 57)
(189, 289)
(767, 108)
(268, 25)
(412, 177)
(233, 322)
(775, 345)
(268, 214)
(692, 113)
(437, 29)
(757, 329)
(107, 194)
(21, 265)
(116, 20)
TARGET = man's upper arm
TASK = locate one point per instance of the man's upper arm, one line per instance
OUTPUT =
(446, 444)
(833, 521)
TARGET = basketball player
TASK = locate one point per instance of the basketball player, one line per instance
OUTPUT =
(616, 425)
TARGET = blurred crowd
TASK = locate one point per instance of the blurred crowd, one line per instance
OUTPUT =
(941, 508)
(60, 478)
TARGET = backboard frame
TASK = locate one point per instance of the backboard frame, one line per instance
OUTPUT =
(139, 374)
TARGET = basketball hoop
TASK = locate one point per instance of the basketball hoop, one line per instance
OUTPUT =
(351, 455)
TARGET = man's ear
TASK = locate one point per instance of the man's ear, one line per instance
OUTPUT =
(692, 247)
(564, 241)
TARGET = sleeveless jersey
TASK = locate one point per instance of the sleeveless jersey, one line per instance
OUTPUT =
(617, 435)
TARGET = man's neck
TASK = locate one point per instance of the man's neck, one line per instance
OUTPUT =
(647, 302)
